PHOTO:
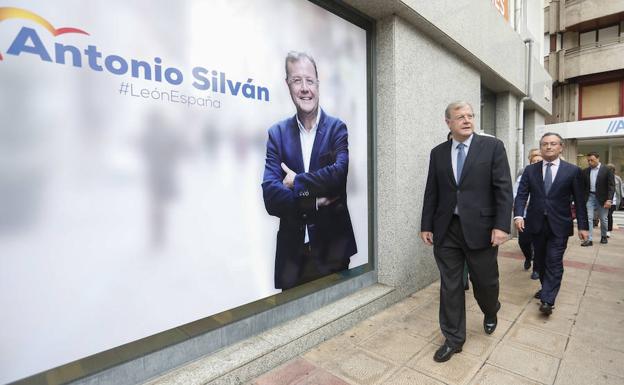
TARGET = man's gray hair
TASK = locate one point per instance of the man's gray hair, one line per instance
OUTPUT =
(456, 105)
(552, 134)
(295, 56)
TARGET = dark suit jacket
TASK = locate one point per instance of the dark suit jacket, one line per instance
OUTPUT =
(329, 228)
(483, 196)
(605, 184)
(566, 186)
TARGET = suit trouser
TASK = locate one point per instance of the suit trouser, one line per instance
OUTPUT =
(593, 204)
(302, 270)
(610, 218)
(525, 241)
(450, 255)
(549, 250)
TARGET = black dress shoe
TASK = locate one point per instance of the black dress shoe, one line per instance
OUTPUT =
(538, 294)
(535, 275)
(489, 324)
(587, 243)
(445, 353)
(527, 264)
(546, 308)
(603, 240)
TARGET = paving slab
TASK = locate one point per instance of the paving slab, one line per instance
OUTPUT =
(570, 373)
(525, 362)
(580, 343)
(363, 368)
(596, 356)
(407, 376)
(458, 370)
(394, 344)
(287, 374)
(491, 375)
(429, 310)
(417, 326)
(556, 322)
(538, 339)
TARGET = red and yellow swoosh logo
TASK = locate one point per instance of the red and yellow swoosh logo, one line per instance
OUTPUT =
(18, 13)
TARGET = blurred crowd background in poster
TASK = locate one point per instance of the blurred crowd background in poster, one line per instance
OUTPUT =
(123, 216)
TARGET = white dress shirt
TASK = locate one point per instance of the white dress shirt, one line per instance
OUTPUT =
(593, 175)
(553, 169)
(307, 142)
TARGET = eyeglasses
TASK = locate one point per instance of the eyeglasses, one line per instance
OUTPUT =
(298, 82)
(467, 117)
(551, 144)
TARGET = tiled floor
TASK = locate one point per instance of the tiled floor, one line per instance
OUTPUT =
(582, 342)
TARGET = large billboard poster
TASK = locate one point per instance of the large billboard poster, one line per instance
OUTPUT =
(152, 168)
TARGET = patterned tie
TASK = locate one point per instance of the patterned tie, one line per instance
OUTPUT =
(548, 178)
(461, 156)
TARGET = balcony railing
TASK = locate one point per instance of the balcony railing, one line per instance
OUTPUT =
(597, 44)
(579, 11)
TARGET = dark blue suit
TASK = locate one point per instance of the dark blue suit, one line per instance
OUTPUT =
(330, 232)
(549, 219)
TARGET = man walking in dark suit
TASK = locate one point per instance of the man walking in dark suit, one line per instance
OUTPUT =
(305, 182)
(466, 216)
(551, 184)
(599, 189)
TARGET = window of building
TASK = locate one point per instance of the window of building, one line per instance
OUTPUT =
(609, 33)
(587, 38)
(602, 35)
(555, 42)
(601, 100)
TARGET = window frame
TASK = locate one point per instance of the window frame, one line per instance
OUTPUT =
(595, 83)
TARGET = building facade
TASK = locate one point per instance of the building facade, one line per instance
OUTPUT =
(424, 55)
(584, 54)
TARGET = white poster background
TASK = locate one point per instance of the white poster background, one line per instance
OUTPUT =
(91, 255)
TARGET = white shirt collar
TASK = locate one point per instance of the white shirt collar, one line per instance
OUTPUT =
(554, 162)
(302, 128)
(465, 142)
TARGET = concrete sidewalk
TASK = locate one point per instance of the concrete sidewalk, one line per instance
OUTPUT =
(582, 342)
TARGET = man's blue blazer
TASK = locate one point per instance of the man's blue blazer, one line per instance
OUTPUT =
(329, 228)
(566, 187)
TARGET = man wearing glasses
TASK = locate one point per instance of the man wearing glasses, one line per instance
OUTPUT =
(466, 216)
(304, 184)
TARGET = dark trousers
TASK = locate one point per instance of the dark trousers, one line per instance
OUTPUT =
(610, 218)
(301, 270)
(450, 255)
(526, 245)
(549, 250)
(524, 241)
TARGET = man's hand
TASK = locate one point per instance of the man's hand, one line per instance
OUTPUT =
(427, 237)
(583, 235)
(289, 179)
(499, 237)
(519, 222)
(607, 205)
(324, 201)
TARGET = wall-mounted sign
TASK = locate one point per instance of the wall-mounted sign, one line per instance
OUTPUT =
(502, 6)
